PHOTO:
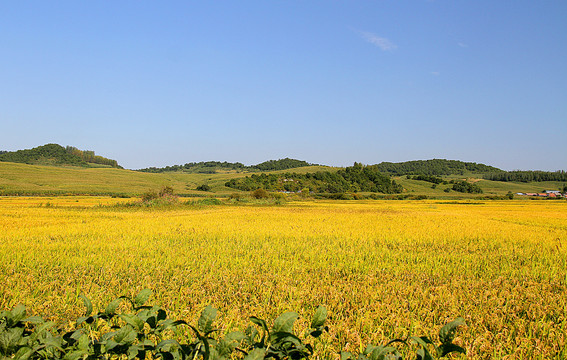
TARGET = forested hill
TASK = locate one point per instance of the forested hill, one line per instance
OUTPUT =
(54, 154)
(527, 176)
(435, 167)
(350, 179)
(210, 167)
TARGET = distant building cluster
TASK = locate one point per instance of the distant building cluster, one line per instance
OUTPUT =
(546, 194)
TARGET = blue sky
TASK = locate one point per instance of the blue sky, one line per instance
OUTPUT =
(153, 83)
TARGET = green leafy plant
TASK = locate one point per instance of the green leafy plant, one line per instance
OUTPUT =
(146, 332)
(391, 352)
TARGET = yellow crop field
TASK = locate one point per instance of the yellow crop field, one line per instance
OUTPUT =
(383, 269)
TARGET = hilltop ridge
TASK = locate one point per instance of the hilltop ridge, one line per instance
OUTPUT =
(55, 154)
(211, 167)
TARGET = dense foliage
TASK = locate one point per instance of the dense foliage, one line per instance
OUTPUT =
(210, 167)
(204, 167)
(282, 164)
(54, 154)
(434, 167)
(90, 157)
(351, 179)
(466, 187)
(527, 176)
(146, 332)
(428, 178)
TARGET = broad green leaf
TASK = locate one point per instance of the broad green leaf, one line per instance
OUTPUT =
(369, 349)
(55, 342)
(384, 353)
(423, 353)
(284, 323)
(23, 353)
(133, 351)
(208, 315)
(261, 323)
(167, 344)
(319, 317)
(40, 330)
(9, 338)
(285, 337)
(111, 308)
(125, 335)
(230, 342)
(215, 355)
(142, 297)
(256, 354)
(18, 313)
(133, 321)
(447, 332)
(34, 320)
(76, 355)
(88, 305)
(83, 343)
(77, 334)
(110, 344)
(445, 349)
(346, 355)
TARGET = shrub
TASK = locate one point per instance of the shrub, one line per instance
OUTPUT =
(162, 197)
(210, 201)
(467, 187)
(277, 196)
(235, 196)
(204, 187)
(260, 194)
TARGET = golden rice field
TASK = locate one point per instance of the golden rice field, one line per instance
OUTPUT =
(384, 269)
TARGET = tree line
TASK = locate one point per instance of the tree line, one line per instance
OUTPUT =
(350, 179)
(89, 156)
(527, 176)
(435, 167)
(54, 154)
(211, 166)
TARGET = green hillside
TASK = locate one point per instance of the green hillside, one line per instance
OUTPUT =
(54, 154)
(54, 170)
(212, 167)
(435, 167)
(489, 188)
(355, 178)
(25, 179)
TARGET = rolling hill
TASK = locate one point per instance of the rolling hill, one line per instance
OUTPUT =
(54, 170)
(54, 154)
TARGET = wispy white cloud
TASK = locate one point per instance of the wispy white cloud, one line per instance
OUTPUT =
(436, 73)
(463, 45)
(379, 41)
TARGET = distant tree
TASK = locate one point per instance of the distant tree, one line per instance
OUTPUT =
(466, 187)
(204, 187)
(260, 194)
(527, 176)
(165, 191)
